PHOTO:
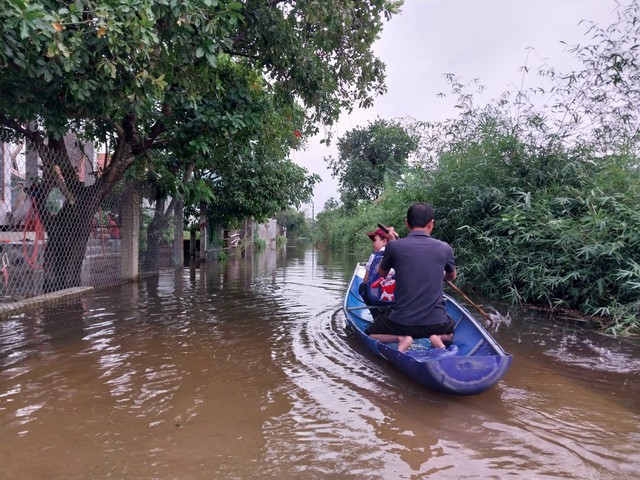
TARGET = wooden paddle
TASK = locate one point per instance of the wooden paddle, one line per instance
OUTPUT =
(484, 314)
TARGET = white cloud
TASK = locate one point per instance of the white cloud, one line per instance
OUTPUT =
(484, 39)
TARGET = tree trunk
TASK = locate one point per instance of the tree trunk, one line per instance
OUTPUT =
(67, 234)
(67, 231)
(154, 236)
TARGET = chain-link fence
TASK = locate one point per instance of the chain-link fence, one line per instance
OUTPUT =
(161, 235)
(61, 228)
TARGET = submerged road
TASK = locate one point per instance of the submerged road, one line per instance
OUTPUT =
(245, 370)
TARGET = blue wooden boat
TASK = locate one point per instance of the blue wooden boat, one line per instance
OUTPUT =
(472, 364)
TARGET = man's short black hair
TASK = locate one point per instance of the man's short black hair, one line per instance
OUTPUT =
(419, 215)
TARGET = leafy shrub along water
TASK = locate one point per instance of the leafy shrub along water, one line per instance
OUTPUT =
(540, 204)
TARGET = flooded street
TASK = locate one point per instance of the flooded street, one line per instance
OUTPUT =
(245, 370)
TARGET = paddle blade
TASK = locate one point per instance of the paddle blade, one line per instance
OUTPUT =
(497, 319)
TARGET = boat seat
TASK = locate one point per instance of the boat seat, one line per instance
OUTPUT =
(476, 347)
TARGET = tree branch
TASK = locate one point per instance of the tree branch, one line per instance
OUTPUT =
(20, 128)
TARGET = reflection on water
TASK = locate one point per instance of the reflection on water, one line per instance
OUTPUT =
(245, 370)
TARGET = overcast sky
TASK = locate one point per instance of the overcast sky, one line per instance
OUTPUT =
(484, 39)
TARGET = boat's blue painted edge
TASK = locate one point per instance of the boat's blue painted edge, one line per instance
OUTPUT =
(456, 370)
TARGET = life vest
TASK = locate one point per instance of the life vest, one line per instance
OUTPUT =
(380, 289)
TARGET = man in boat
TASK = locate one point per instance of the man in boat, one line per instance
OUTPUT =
(421, 263)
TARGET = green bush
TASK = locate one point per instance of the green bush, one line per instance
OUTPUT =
(540, 205)
(281, 241)
(534, 224)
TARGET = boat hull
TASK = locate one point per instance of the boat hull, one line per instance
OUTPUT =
(474, 363)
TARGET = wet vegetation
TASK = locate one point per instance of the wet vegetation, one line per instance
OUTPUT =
(537, 191)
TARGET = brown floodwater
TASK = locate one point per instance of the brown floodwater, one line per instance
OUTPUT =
(245, 370)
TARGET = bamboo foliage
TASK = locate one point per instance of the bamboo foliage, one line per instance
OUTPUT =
(538, 190)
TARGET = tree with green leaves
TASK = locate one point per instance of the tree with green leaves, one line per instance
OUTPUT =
(141, 76)
(367, 155)
(245, 173)
(294, 222)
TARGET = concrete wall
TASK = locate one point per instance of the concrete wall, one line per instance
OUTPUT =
(268, 232)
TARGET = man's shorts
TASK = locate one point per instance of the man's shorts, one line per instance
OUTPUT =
(383, 325)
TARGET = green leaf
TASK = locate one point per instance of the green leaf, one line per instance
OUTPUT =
(212, 59)
(24, 30)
